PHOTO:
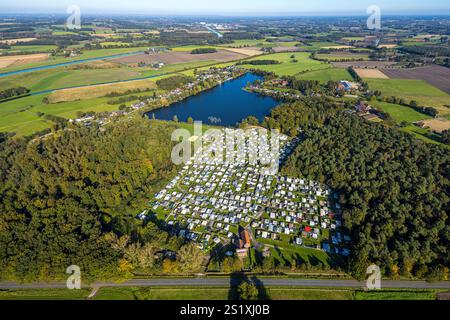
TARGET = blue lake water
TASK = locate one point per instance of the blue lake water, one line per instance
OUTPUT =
(227, 102)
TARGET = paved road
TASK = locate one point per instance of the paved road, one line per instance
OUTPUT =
(226, 282)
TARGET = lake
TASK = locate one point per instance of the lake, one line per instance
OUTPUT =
(227, 102)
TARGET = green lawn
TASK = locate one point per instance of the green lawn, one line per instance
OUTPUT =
(20, 115)
(248, 43)
(289, 252)
(161, 293)
(424, 93)
(287, 67)
(325, 75)
(64, 33)
(44, 294)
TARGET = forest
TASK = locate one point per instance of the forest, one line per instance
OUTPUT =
(393, 189)
(72, 197)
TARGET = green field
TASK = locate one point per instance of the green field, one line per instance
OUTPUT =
(181, 67)
(247, 43)
(112, 43)
(308, 294)
(189, 48)
(288, 252)
(395, 295)
(418, 90)
(336, 56)
(287, 67)
(220, 293)
(65, 77)
(401, 114)
(353, 38)
(63, 33)
(317, 45)
(21, 116)
(87, 54)
(325, 75)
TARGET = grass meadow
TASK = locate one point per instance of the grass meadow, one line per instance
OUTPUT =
(288, 66)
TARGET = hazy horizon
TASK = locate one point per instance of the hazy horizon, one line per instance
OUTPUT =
(230, 7)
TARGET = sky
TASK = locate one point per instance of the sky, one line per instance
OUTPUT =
(228, 7)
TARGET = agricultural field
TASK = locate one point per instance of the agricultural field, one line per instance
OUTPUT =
(90, 92)
(353, 38)
(437, 125)
(418, 90)
(395, 295)
(325, 75)
(87, 54)
(251, 51)
(117, 43)
(404, 114)
(44, 294)
(364, 64)
(19, 60)
(189, 48)
(435, 75)
(63, 33)
(28, 48)
(400, 113)
(248, 43)
(284, 253)
(22, 115)
(342, 56)
(17, 40)
(219, 293)
(317, 45)
(173, 57)
(288, 67)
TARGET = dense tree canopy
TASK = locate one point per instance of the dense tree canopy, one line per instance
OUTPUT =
(72, 198)
(393, 189)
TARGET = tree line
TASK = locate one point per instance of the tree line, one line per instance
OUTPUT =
(394, 190)
(72, 197)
